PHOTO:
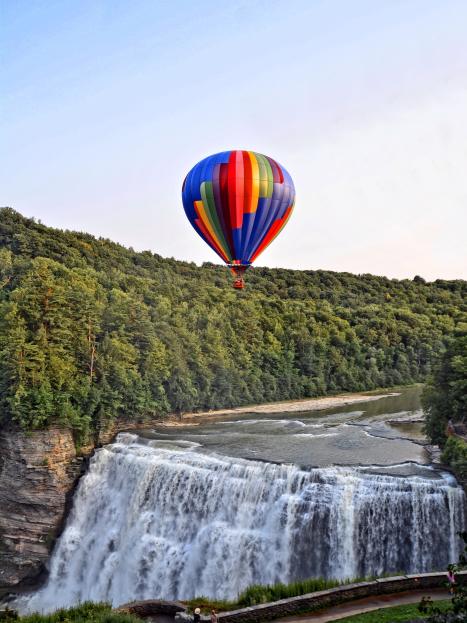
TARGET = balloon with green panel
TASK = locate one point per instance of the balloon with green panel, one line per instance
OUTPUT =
(238, 202)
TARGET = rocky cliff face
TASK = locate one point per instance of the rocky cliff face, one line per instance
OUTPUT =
(37, 472)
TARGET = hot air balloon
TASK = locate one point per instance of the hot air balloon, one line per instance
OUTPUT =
(238, 202)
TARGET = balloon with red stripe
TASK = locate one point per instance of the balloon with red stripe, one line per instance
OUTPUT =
(238, 202)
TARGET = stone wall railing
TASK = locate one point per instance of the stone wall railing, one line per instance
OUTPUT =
(334, 596)
(303, 603)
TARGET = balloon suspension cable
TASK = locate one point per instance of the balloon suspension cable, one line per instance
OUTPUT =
(238, 270)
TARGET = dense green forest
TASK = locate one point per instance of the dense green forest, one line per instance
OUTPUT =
(90, 331)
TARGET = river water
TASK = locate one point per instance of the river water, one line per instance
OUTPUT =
(209, 509)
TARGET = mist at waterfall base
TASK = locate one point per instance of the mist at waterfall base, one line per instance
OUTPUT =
(165, 516)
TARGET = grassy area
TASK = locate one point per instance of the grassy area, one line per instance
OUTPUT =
(397, 614)
(264, 593)
(261, 594)
(86, 612)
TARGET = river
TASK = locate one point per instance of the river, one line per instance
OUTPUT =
(209, 508)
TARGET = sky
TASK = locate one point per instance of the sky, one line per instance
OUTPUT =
(106, 105)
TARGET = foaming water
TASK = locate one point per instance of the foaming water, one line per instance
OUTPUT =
(154, 520)
(315, 435)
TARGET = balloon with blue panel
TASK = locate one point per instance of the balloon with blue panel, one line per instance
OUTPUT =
(238, 202)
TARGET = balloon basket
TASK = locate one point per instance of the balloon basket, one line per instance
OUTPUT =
(238, 270)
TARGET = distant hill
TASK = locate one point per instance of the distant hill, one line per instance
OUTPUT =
(90, 331)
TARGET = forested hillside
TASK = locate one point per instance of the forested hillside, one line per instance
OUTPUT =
(90, 330)
(445, 396)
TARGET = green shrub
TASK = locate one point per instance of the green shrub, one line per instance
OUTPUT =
(455, 455)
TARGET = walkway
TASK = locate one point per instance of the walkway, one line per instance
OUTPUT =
(367, 604)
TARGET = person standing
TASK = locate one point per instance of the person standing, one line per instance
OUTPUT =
(451, 578)
(197, 616)
(214, 617)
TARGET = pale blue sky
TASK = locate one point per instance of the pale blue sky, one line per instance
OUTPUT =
(104, 107)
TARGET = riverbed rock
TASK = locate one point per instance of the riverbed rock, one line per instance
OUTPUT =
(434, 452)
(38, 471)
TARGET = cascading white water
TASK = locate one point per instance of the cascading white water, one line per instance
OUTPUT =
(150, 521)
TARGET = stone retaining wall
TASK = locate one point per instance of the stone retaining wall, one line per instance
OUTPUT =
(334, 596)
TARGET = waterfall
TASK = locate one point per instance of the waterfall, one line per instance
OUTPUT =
(166, 520)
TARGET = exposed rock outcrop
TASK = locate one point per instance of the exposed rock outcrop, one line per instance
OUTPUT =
(37, 472)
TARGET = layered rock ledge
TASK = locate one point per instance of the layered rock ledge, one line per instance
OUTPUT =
(37, 473)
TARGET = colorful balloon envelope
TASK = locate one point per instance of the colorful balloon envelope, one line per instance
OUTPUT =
(238, 202)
